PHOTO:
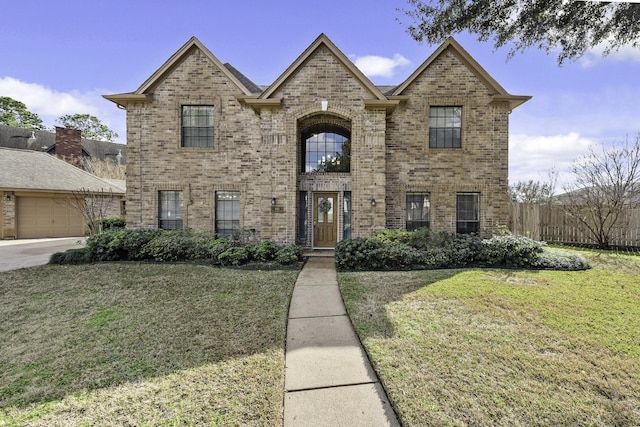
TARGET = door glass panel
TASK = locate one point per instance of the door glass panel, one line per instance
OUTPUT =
(330, 213)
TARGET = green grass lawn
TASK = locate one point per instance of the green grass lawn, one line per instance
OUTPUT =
(505, 347)
(142, 344)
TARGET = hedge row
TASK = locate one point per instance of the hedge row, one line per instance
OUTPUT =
(424, 249)
(176, 245)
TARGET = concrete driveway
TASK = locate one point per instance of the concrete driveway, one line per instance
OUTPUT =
(23, 253)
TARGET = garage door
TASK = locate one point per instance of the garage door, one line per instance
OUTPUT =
(47, 217)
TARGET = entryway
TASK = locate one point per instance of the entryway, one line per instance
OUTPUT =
(325, 223)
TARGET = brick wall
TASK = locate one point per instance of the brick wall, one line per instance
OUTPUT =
(259, 153)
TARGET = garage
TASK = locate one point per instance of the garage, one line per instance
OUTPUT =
(47, 217)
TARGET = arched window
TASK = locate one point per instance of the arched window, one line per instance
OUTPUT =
(326, 148)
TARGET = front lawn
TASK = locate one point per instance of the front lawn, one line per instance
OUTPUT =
(505, 347)
(142, 344)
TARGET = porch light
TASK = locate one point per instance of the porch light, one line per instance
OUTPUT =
(273, 201)
(373, 202)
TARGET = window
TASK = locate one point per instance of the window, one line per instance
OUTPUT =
(227, 212)
(418, 205)
(327, 148)
(302, 218)
(170, 210)
(346, 216)
(197, 126)
(445, 124)
(468, 213)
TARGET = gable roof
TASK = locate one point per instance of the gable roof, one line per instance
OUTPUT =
(323, 40)
(38, 171)
(176, 59)
(499, 93)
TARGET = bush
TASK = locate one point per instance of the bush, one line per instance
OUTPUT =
(177, 245)
(289, 254)
(356, 254)
(71, 256)
(264, 251)
(234, 255)
(423, 249)
(553, 259)
(112, 223)
(120, 244)
(511, 251)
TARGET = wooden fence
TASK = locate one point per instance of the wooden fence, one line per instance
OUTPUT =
(553, 225)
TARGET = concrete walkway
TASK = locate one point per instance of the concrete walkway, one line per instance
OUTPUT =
(328, 378)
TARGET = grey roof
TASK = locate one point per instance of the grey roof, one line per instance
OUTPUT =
(254, 88)
(14, 137)
(38, 171)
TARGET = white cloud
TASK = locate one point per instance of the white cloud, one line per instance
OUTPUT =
(532, 157)
(379, 66)
(594, 55)
(49, 104)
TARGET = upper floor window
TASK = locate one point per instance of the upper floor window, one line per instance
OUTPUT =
(170, 210)
(418, 206)
(197, 125)
(326, 148)
(467, 213)
(445, 127)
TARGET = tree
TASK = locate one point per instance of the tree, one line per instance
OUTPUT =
(90, 126)
(531, 192)
(15, 113)
(105, 168)
(567, 27)
(93, 207)
(535, 191)
(606, 184)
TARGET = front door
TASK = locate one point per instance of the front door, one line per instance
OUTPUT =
(325, 224)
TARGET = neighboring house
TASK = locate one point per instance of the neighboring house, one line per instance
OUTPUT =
(36, 193)
(64, 143)
(320, 155)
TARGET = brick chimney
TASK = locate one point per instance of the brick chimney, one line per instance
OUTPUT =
(69, 145)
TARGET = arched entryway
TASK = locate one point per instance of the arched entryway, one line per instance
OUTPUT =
(324, 180)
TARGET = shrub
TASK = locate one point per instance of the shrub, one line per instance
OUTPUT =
(388, 236)
(395, 256)
(71, 256)
(356, 254)
(509, 250)
(234, 255)
(264, 251)
(112, 223)
(288, 254)
(553, 259)
(177, 245)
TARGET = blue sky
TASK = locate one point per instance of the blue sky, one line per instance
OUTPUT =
(58, 57)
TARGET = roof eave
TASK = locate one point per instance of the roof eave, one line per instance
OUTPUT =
(513, 100)
(122, 99)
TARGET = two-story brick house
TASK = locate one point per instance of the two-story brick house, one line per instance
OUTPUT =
(320, 155)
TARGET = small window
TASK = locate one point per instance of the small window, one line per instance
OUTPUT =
(346, 216)
(170, 210)
(302, 218)
(468, 213)
(418, 206)
(445, 127)
(227, 212)
(197, 126)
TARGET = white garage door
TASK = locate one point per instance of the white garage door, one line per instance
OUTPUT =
(47, 217)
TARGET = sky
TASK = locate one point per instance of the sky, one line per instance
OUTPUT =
(60, 57)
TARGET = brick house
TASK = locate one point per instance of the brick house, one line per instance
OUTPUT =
(320, 155)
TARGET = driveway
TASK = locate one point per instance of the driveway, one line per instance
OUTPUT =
(23, 253)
